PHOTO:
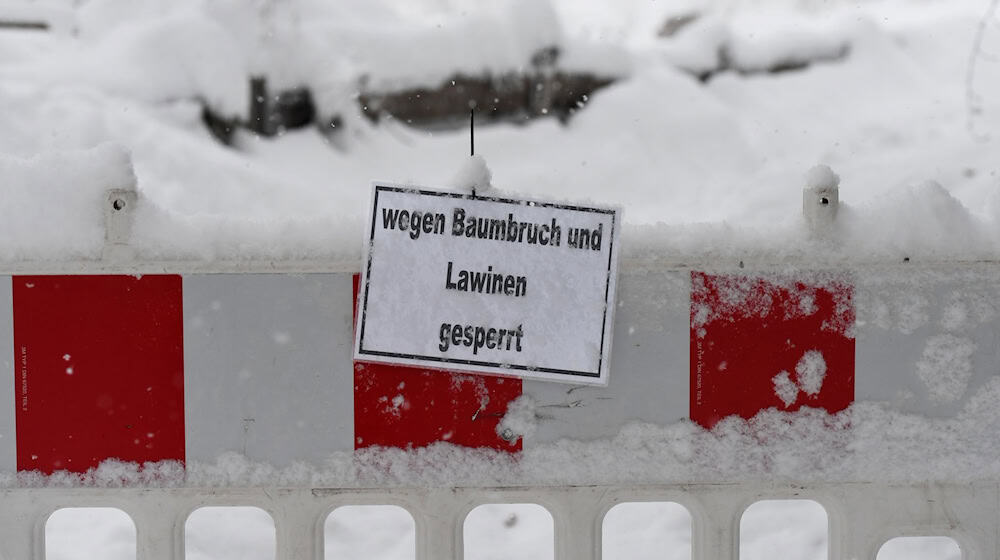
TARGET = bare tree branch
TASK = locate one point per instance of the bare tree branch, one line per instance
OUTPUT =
(973, 101)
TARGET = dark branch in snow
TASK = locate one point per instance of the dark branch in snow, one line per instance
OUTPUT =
(24, 25)
(675, 24)
(789, 63)
(269, 115)
(542, 89)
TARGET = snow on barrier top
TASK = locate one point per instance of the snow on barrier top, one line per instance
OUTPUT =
(56, 222)
(240, 372)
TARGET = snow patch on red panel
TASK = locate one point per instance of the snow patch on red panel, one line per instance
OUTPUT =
(767, 341)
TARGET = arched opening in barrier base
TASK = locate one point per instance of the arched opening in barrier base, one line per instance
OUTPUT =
(84, 533)
(784, 529)
(920, 548)
(370, 531)
(229, 533)
(509, 531)
(646, 531)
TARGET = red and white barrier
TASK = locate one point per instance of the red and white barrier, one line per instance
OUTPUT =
(186, 361)
(187, 366)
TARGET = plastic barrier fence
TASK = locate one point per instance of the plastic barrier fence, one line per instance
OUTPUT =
(862, 516)
(183, 361)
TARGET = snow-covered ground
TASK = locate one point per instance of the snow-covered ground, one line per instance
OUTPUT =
(901, 99)
(905, 119)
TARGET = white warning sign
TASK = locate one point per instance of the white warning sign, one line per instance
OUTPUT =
(488, 284)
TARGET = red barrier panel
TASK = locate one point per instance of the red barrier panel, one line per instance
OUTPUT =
(100, 370)
(758, 343)
(401, 406)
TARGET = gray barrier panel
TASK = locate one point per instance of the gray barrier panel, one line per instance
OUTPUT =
(649, 378)
(268, 369)
(8, 447)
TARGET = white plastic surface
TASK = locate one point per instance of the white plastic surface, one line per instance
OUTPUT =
(862, 517)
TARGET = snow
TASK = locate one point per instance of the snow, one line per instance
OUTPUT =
(330, 46)
(519, 420)
(60, 195)
(810, 372)
(764, 39)
(946, 367)
(955, 316)
(870, 440)
(712, 169)
(889, 111)
(785, 388)
(821, 177)
(753, 296)
(191, 54)
(473, 175)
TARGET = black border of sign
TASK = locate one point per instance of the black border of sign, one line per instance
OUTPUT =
(368, 270)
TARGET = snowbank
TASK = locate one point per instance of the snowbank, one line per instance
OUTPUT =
(54, 202)
(62, 191)
(193, 57)
(709, 171)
